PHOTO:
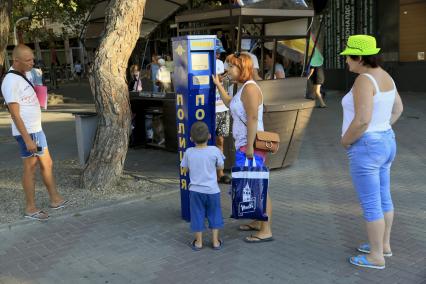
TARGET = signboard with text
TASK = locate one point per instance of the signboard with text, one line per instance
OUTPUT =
(195, 62)
(345, 18)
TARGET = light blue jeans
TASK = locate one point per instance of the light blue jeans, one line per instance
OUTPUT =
(370, 160)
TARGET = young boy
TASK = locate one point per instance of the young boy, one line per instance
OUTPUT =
(202, 161)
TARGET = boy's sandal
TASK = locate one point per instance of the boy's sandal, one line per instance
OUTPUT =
(365, 248)
(39, 216)
(247, 227)
(219, 247)
(194, 247)
(362, 261)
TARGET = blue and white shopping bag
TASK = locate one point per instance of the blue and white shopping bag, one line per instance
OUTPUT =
(249, 191)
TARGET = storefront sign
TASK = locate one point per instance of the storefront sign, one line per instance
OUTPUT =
(345, 18)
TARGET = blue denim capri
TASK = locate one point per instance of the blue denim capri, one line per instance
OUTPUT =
(370, 160)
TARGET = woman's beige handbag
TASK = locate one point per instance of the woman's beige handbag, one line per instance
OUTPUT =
(267, 141)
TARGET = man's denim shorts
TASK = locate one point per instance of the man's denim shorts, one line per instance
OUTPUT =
(39, 138)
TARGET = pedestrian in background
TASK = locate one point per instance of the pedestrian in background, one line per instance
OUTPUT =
(223, 119)
(154, 67)
(317, 77)
(135, 83)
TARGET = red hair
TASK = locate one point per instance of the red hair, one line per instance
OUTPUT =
(244, 63)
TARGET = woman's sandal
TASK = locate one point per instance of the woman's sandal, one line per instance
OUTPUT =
(253, 239)
(362, 261)
(365, 248)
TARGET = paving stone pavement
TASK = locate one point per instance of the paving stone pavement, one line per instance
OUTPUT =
(316, 224)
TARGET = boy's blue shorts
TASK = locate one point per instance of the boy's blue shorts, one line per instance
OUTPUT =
(204, 206)
(39, 138)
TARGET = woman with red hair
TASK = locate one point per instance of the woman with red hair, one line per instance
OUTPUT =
(247, 113)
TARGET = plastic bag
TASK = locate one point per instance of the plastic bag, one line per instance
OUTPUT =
(249, 191)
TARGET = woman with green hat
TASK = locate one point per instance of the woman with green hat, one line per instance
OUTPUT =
(369, 109)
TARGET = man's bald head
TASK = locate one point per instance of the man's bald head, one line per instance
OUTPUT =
(20, 50)
(23, 58)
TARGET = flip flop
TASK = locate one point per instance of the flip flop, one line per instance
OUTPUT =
(39, 216)
(361, 260)
(258, 240)
(61, 205)
(194, 247)
(219, 247)
(365, 248)
(247, 227)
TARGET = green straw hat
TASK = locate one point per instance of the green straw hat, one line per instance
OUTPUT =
(361, 45)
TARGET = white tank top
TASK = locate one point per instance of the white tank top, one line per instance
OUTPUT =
(239, 117)
(382, 108)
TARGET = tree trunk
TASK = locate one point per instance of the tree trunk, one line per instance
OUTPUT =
(5, 13)
(68, 54)
(108, 84)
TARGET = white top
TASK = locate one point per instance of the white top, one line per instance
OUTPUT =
(220, 66)
(278, 68)
(78, 68)
(220, 105)
(163, 75)
(137, 86)
(253, 58)
(382, 108)
(36, 76)
(239, 116)
(202, 164)
(16, 90)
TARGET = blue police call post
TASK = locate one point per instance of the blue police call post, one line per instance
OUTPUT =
(195, 62)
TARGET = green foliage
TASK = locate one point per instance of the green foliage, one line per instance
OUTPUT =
(70, 13)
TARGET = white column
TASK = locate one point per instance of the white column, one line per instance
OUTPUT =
(68, 54)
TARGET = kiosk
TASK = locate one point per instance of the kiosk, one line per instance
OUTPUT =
(195, 62)
(286, 110)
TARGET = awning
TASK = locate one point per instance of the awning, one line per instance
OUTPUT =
(251, 11)
(156, 11)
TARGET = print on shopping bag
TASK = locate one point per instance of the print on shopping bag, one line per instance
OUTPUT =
(248, 204)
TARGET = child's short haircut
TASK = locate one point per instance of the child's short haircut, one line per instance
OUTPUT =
(199, 132)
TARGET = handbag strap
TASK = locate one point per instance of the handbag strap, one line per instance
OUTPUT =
(22, 76)
(241, 120)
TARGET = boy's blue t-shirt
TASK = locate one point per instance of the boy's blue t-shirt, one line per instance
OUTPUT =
(202, 164)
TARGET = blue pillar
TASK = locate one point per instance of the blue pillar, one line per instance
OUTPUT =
(195, 62)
